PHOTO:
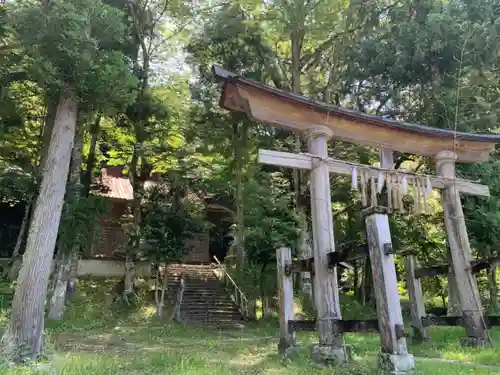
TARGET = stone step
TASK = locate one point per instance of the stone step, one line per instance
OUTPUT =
(219, 326)
(214, 302)
(220, 300)
(215, 309)
(196, 298)
(205, 293)
(211, 318)
(191, 273)
(196, 282)
(212, 321)
(205, 300)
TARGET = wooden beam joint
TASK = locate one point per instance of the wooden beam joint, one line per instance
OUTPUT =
(339, 326)
(475, 265)
(334, 259)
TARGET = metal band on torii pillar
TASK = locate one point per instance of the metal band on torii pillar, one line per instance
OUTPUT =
(326, 294)
(458, 240)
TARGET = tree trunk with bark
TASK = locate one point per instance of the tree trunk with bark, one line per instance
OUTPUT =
(15, 260)
(493, 286)
(67, 257)
(76, 183)
(50, 118)
(299, 177)
(63, 269)
(176, 311)
(24, 334)
(161, 285)
(240, 137)
(91, 158)
(48, 127)
(267, 310)
(132, 227)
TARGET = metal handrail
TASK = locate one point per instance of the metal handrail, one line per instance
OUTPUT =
(243, 298)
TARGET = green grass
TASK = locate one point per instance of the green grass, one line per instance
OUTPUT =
(97, 338)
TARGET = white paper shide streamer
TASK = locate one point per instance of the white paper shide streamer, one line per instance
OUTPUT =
(428, 186)
(404, 184)
(380, 182)
(354, 178)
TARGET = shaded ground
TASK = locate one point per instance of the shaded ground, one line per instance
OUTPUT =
(98, 339)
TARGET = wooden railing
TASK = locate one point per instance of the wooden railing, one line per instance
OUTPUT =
(236, 293)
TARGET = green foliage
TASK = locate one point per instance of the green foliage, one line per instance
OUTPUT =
(21, 108)
(270, 219)
(484, 213)
(80, 222)
(68, 45)
(16, 185)
(168, 221)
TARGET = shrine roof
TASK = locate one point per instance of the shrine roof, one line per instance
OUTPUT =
(295, 112)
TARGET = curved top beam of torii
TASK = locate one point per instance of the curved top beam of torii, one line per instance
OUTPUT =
(283, 109)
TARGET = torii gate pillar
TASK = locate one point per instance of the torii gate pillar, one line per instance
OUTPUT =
(331, 347)
(468, 294)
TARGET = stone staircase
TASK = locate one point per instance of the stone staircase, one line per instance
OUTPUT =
(205, 301)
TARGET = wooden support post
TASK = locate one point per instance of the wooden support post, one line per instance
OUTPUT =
(458, 241)
(287, 343)
(394, 357)
(417, 306)
(326, 294)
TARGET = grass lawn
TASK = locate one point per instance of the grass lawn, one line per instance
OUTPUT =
(96, 338)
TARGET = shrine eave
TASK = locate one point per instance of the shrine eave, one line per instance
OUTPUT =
(271, 106)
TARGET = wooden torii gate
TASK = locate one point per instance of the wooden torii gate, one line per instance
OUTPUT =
(318, 123)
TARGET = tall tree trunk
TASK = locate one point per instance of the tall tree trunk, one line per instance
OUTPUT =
(15, 260)
(129, 278)
(24, 335)
(299, 177)
(94, 136)
(22, 230)
(62, 271)
(50, 118)
(75, 180)
(239, 241)
(132, 228)
(493, 284)
(355, 287)
(66, 257)
(267, 309)
(48, 127)
(176, 311)
(240, 135)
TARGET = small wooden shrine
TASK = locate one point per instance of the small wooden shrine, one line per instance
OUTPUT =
(318, 123)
